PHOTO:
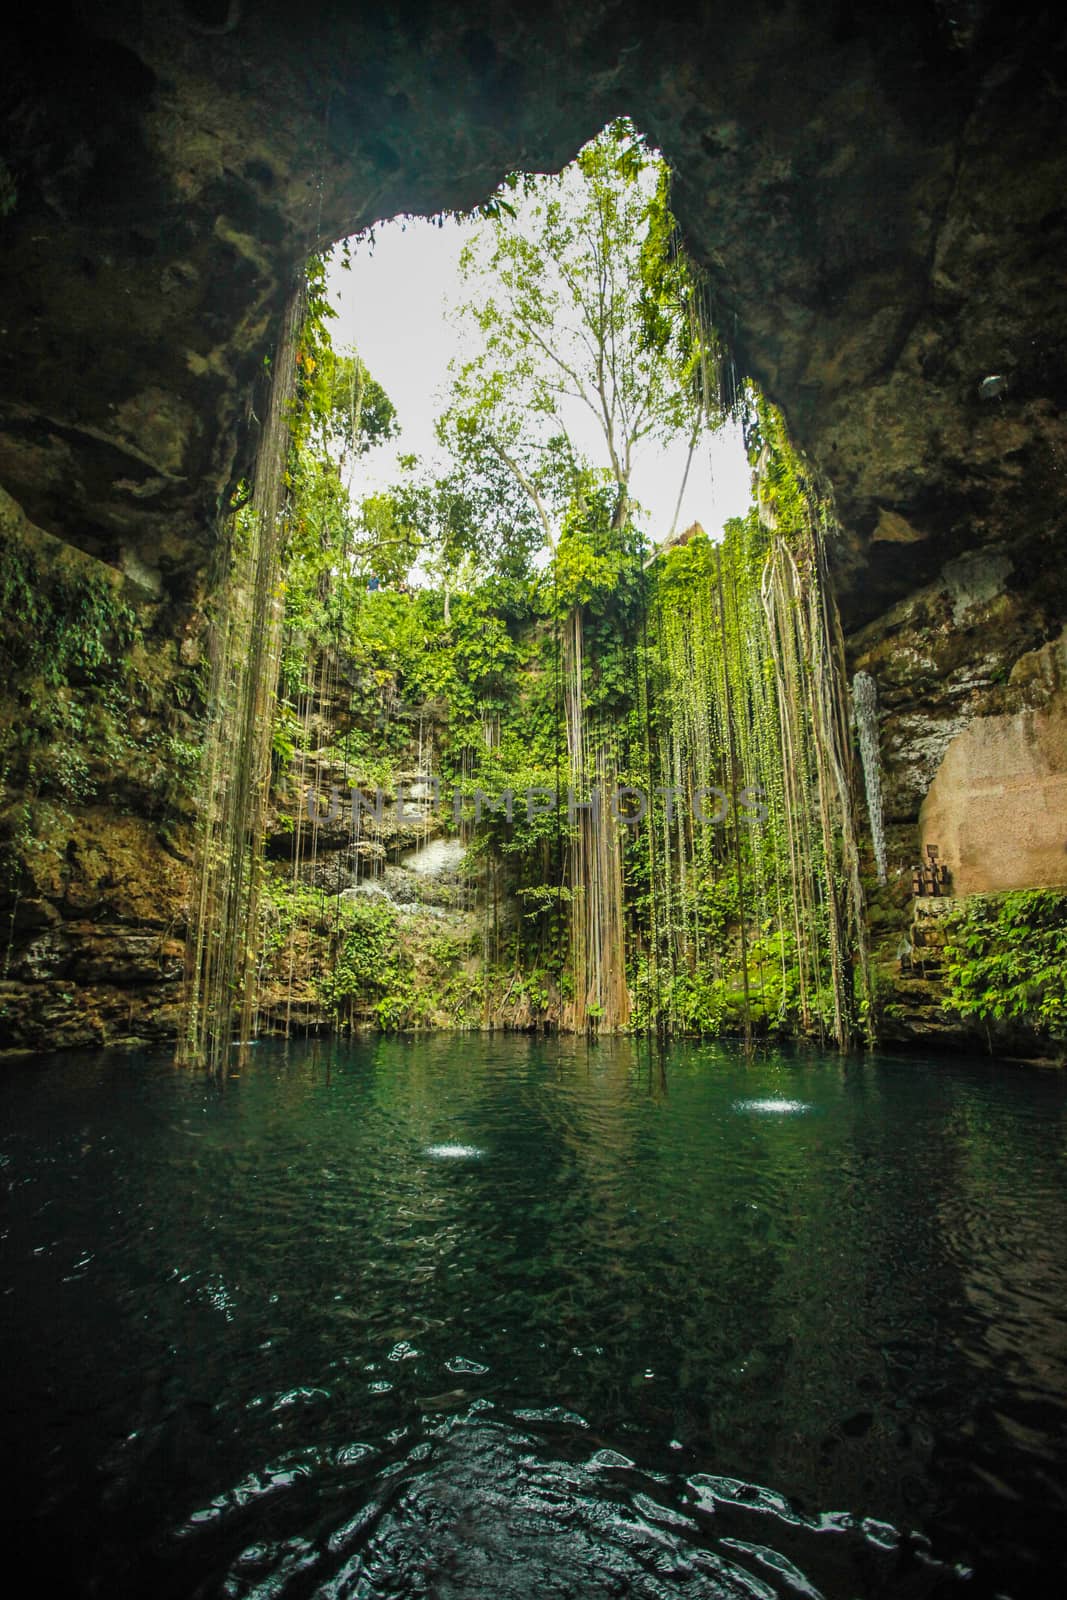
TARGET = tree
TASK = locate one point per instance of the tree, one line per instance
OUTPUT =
(389, 538)
(585, 311)
(590, 345)
(473, 513)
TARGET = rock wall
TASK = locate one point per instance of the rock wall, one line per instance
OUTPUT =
(984, 639)
(972, 682)
(876, 193)
(997, 809)
(99, 734)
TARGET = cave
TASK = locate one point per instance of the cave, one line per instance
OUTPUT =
(873, 197)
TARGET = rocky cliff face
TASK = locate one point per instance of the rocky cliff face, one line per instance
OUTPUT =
(876, 192)
(997, 808)
(98, 750)
(973, 741)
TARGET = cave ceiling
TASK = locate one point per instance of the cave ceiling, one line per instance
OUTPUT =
(877, 192)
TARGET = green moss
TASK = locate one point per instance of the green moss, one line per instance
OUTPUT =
(61, 621)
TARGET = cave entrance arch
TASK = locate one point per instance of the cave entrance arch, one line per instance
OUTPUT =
(167, 169)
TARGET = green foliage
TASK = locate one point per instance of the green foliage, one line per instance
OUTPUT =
(599, 668)
(790, 492)
(340, 408)
(340, 412)
(360, 957)
(176, 768)
(475, 514)
(68, 647)
(390, 537)
(368, 964)
(596, 564)
(698, 1003)
(1006, 960)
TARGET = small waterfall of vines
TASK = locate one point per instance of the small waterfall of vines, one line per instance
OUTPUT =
(751, 890)
(485, 750)
(244, 641)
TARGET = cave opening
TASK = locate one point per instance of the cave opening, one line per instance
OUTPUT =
(501, 617)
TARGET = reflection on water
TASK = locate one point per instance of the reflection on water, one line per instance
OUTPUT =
(785, 1108)
(479, 1318)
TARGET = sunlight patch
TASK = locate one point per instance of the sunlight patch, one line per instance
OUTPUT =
(773, 1107)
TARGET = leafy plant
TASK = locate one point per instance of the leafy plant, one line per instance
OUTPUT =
(367, 964)
(1006, 960)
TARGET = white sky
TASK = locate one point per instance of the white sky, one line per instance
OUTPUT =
(392, 308)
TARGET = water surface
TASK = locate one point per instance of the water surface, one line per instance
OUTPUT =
(457, 1317)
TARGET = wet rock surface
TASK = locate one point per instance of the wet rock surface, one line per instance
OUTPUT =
(95, 928)
(971, 677)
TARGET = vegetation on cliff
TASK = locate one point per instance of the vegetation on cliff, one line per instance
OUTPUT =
(1006, 961)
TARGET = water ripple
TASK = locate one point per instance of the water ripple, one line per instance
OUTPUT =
(485, 1511)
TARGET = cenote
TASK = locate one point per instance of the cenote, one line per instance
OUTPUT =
(527, 1317)
(533, 774)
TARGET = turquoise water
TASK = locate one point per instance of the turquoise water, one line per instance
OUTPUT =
(457, 1317)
